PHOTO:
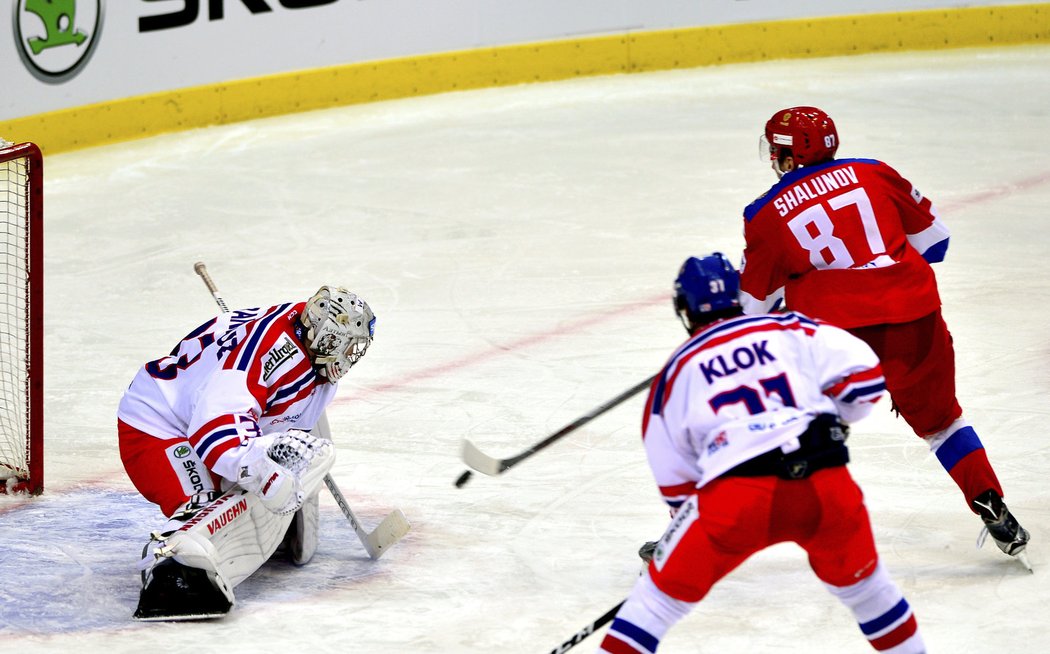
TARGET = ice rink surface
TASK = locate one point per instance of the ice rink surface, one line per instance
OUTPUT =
(518, 246)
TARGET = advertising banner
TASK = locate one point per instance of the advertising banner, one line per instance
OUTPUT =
(59, 54)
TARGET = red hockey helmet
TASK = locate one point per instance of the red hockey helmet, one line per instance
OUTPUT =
(807, 132)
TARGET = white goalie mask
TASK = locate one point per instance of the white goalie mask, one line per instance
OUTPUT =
(339, 328)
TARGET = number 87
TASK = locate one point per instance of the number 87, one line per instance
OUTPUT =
(816, 217)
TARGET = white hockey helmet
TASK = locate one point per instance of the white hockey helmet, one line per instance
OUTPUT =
(339, 328)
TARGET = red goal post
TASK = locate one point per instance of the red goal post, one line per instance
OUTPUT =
(21, 318)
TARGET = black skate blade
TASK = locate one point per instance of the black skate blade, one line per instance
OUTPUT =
(186, 617)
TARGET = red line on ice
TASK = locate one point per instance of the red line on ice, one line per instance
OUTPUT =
(522, 343)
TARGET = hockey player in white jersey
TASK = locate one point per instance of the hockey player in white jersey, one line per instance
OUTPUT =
(217, 435)
(745, 431)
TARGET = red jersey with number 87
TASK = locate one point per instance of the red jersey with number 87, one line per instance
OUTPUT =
(847, 241)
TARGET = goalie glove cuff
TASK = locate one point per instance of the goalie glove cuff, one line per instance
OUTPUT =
(278, 487)
(277, 473)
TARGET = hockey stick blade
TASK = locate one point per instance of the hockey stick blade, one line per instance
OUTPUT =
(389, 531)
(482, 462)
(492, 466)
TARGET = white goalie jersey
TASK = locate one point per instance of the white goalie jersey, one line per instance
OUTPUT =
(744, 386)
(240, 375)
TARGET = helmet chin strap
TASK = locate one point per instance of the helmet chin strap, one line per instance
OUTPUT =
(779, 170)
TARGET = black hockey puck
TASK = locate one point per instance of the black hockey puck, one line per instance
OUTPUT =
(463, 479)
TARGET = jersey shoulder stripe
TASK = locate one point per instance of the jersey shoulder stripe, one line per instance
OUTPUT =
(254, 337)
(281, 359)
(796, 176)
(222, 434)
(292, 386)
(865, 385)
(286, 397)
(212, 438)
(231, 339)
(717, 335)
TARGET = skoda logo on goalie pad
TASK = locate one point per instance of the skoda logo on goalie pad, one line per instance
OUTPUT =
(55, 38)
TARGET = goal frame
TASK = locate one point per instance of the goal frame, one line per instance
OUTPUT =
(33, 481)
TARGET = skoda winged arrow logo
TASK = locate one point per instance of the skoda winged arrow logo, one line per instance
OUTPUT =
(55, 38)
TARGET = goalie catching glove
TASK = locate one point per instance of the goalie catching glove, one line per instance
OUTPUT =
(279, 472)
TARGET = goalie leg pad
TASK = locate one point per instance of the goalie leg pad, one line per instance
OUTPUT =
(210, 548)
(312, 458)
(303, 534)
(234, 535)
(230, 539)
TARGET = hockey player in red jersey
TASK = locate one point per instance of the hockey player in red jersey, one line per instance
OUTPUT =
(850, 241)
(745, 431)
(216, 434)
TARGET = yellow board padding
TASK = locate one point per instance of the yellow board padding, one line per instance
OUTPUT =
(218, 104)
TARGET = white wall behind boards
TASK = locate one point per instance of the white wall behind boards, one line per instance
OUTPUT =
(108, 49)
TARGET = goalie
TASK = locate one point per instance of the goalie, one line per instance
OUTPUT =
(216, 434)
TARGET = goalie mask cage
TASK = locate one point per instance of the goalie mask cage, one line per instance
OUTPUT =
(21, 322)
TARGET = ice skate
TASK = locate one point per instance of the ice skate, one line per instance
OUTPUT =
(1002, 526)
(175, 592)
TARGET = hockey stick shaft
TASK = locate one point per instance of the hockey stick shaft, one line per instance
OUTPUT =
(202, 270)
(580, 635)
(393, 526)
(482, 462)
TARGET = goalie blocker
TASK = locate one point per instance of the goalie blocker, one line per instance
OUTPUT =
(212, 544)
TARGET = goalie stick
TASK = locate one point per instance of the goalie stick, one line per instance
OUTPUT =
(393, 526)
(389, 531)
(492, 466)
(580, 635)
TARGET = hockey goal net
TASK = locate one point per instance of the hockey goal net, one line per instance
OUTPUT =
(21, 318)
